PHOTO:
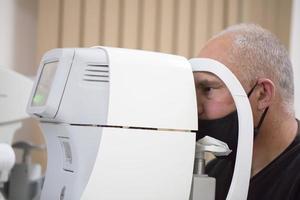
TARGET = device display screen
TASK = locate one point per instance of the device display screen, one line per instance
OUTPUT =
(44, 85)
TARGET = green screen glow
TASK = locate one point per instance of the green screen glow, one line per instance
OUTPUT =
(38, 98)
(44, 84)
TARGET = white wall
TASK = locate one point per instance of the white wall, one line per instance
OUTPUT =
(7, 18)
(295, 52)
(18, 35)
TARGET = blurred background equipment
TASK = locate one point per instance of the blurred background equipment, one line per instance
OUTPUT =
(18, 180)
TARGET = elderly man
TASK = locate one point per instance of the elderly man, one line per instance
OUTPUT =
(263, 67)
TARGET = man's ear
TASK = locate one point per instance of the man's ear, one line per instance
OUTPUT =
(265, 93)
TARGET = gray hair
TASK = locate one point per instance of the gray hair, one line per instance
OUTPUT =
(260, 54)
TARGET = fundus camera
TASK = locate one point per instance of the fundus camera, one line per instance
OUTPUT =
(118, 124)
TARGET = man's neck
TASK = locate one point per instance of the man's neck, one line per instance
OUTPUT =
(273, 138)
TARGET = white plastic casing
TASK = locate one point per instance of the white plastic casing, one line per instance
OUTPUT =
(131, 96)
(240, 181)
(7, 161)
(149, 89)
(14, 94)
(65, 58)
(117, 124)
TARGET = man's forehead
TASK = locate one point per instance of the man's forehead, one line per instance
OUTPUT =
(217, 48)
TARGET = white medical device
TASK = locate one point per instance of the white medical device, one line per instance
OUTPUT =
(117, 124)
(240, 181)
(7, 161)
(17, 180)
(14, 93)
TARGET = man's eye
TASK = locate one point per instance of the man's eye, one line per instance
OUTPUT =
(206, 89)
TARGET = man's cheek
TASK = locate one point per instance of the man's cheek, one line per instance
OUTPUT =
(218, 109)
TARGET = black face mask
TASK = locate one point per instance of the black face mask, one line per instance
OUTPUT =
(226, 129)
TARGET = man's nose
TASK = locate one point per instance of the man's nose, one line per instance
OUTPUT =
(199, 104)
(200, 108)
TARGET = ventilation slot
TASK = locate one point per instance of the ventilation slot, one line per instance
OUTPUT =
(96, 73)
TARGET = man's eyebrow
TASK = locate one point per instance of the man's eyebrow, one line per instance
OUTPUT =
(206, 82)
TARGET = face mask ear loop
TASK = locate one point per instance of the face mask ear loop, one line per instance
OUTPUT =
(252, 89)
(260, 122)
